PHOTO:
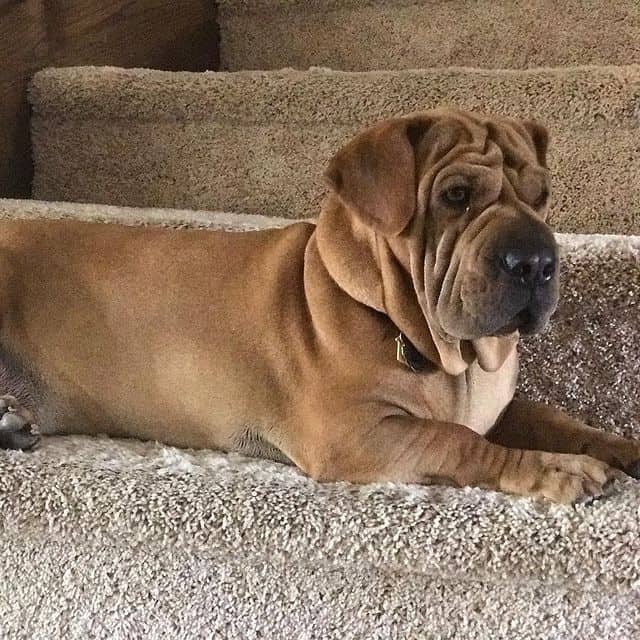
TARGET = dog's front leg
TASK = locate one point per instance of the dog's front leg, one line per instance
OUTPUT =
(407, 449)
(532, 425)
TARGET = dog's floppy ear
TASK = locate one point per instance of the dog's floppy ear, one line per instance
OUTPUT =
(375, 174)
(539, 137)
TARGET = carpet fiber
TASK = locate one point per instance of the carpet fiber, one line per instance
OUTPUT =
(258, 142)
(103, 538)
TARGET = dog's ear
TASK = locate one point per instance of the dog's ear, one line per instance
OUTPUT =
(540, 138)
(375, 174)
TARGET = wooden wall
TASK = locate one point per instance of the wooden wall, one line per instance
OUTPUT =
(162, 34)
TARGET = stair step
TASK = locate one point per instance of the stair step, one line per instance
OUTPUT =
(401, 34)
(335, 556)
(257, 142)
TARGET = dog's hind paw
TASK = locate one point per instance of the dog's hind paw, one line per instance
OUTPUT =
(17, 428)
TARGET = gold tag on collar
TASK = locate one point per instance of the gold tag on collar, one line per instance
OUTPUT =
(408, 355)
(401, 355)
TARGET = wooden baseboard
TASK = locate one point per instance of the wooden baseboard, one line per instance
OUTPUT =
(161, 34)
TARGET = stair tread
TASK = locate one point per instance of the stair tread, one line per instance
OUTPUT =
(213, 503)
(577, 95)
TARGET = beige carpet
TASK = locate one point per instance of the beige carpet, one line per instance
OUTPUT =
(111, 539)
(257, 142)
(108, 539)
(409, 34)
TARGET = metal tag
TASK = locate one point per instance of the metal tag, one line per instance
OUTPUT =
(409, 356)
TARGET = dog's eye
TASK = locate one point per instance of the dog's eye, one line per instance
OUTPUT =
(457, 196)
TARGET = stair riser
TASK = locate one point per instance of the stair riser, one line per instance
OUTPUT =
(596, 173)
(392, 34)
(259, 142)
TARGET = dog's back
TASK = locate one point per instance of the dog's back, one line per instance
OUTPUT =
(133, 327)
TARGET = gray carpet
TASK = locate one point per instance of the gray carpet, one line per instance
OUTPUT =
(107, 539)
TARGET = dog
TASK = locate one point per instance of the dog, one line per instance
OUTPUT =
(378, 344)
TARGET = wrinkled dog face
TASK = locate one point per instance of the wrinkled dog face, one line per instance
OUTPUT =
(493, 260)
(467, 196)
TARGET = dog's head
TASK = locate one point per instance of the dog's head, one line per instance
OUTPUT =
(462, 200)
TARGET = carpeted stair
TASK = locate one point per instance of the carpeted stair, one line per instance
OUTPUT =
(359, 35)
(101, 538)
(258, 142)
(111, 539)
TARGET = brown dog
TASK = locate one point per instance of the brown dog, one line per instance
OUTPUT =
(379, 345)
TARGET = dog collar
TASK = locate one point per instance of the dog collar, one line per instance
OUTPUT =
(408, 355)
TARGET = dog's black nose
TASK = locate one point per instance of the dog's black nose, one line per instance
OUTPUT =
(533, 266)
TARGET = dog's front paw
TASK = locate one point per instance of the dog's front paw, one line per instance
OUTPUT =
(569, 478)
(17, 427)
(559, 477)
